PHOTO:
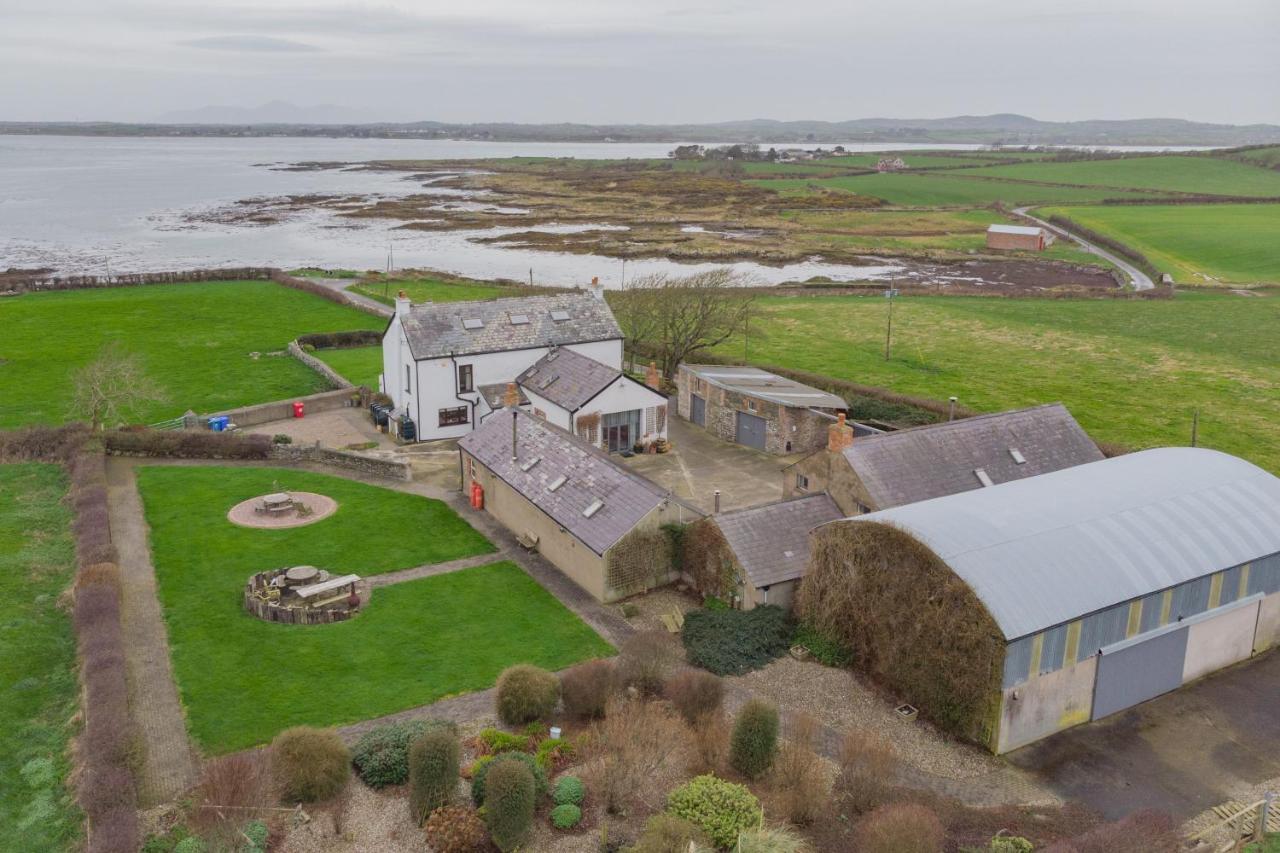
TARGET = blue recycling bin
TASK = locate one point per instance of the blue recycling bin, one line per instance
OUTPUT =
(223, 423)
(215, 424)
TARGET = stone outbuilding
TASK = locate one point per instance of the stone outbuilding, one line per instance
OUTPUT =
(865, 473)
(1058, 599)
(595, 520)
(756, 408)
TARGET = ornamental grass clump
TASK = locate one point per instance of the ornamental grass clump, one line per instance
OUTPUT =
(585, 689)
(695, 694)
(664, 833)
(526, 693)
(900, 828)
(720, 809)
(566, 816)
(754, 744)
(309, 764)
(772, 840)
(509, 803)
(480, 777)
(569, 790)
(381, 756)
(433, 771)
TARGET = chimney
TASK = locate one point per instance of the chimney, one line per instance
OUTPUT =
(839, 435)
(511, 397)
(652, 378)
(717, 502)
(402, 304)
(596, 290)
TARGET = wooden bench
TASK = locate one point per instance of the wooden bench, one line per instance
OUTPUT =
(315, 589)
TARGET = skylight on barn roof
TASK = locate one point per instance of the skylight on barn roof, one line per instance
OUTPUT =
(473, 323)
(592, 508)
(519, 319)
(528, 464)
(983, 477)
(557, 483)
(559, 316)
(1018, 458)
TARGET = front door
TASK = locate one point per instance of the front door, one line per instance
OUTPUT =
(618, 437)
(697, 410)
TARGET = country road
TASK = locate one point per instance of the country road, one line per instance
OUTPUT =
(1138, 280)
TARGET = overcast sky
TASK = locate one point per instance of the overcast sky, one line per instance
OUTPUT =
(644, 60)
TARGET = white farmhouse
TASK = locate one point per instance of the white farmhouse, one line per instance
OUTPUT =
(445, 365)
(596, 402)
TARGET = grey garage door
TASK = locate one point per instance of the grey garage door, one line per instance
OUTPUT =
(751, 430)
(697, 410)
(1138, 672)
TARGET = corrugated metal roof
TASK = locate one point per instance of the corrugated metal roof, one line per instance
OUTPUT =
(1028, 230)
(438, 329)
(1049, 549)
(930, 461)
(767, 386)
(771, 541)
(567, 378)
(591, 476)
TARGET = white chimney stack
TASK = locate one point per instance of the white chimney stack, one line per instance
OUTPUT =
(402, 304)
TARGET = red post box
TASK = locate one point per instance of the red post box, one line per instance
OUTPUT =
(298, 409)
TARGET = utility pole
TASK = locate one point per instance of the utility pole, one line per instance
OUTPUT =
(888, 329)
(624, 274)
(1195, 426)
(531, 276)
(746, 335)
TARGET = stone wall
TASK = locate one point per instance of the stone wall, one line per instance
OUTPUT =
(278, 410)
(374, 466)
(831, 473)
(331, 376)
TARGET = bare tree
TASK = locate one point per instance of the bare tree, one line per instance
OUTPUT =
(677, 318)
(111, 387)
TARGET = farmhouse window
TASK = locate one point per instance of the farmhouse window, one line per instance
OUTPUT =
(453, 417)
(464, 378)
(802, 482)
(751, 405)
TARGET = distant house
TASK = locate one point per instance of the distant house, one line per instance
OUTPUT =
(595, 520)
(754, 407)
(891, 164)
(598, 403)
(876, 472)
(446, 364)
(766, 548)
(1019, 237)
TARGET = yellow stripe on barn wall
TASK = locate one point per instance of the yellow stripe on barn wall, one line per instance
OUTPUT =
(1135, 618)
(1215, 590)
(1073, 644)
(1166, 607)
(1037, 648)
(1244, 581)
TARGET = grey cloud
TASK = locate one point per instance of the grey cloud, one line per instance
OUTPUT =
(255, 44)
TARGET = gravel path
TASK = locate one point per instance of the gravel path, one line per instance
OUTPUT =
(340, 285)
(169, 763)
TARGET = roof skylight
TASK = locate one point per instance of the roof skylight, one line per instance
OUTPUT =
(983, 477)
(559, 316)
(592, 508)
(519, 319)
(1018, 458)
(528, 464)
(473, 323)
(557, 483)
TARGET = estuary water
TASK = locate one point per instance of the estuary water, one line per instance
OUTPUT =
(106, 205)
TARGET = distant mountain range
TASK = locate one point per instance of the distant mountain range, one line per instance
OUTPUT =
(280, 118)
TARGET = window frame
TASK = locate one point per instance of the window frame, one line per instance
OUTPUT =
(468, 384)
(447, 418)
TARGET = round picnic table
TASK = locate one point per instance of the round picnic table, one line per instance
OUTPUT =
(301, 575)
(278, 499)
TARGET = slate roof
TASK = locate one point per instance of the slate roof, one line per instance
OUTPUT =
(767, 386)
(926, 462)
(567, 378)
(771, 541)
(1047, 550)
(436, 329)
(591, 476)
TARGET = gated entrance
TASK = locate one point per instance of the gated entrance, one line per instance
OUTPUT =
(1133, 672)
(751, 430)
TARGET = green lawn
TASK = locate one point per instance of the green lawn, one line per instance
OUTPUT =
(1130, 371)
(1230, 242)
(37, 660)
(1184, 174)
(359, 365)
(943, 189)
(243, 680)
(194, 340)
(431, 290)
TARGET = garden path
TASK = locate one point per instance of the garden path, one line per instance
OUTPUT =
(169, 763)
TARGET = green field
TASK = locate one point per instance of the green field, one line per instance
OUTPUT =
(1268, 157)
(1188, 174)
(37, 661)
(358, 365)
(242, 680)
(194, 340)
(943, 189)
(1229, 242)
(431, 290)
(1131, 371)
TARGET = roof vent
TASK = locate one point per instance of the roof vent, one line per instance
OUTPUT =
(594, 507)
(553, 355)
(473, 323)
(559, 316)
(982, 476)
(1018, 458)
(557, 483)
(528, 465)
(519, 319)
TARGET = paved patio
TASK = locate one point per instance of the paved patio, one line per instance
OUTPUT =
(335, 429)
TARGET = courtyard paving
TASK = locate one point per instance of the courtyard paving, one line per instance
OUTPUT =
(336, 429)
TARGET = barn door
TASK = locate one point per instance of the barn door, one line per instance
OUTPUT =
(697, 410)
(1129, 673)
(751, 430)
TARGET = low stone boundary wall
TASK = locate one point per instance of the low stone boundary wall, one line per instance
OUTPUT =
(325, 401)
(374, 466)
(331, 376)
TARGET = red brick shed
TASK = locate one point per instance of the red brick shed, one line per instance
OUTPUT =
(1024, 237)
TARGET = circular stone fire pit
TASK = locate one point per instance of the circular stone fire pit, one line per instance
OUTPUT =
(305, 595)
(282, 509)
